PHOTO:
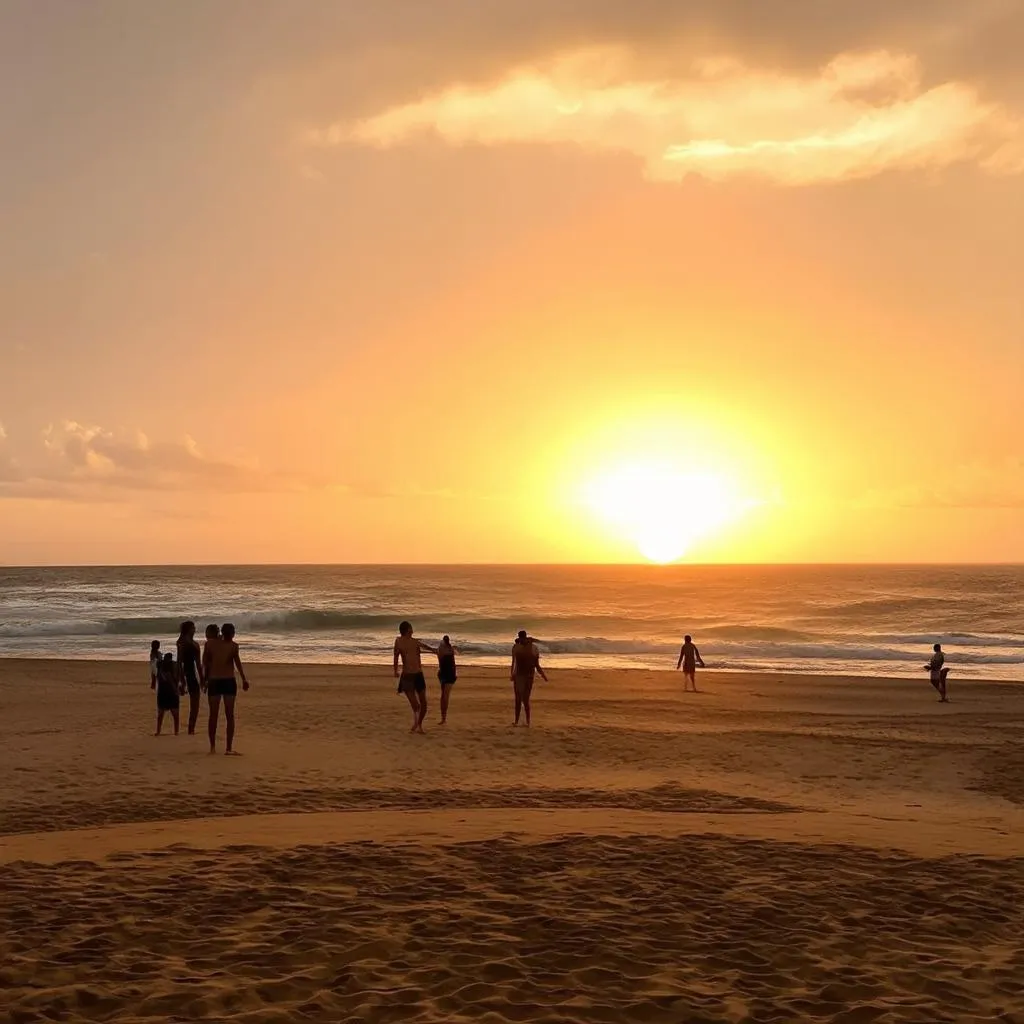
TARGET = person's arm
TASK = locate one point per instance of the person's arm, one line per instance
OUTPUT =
(426, 647)
(205, 660)
(543, 674)
(238, 664)
(680, 661)
(199, 667)
(512, 669)
(700, 660)
(152, 674)
(396, 659)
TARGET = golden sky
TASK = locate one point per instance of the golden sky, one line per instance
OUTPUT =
(514, 280)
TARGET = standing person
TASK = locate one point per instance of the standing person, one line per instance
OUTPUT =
(220, 659)
(190, 671)
(446, 673)
(166, 692)
(689, 658)
(525, 663)
(410, 680)
(154, 663)
(937, 673)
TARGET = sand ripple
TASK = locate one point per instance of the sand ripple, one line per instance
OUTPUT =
(135, 805)
(587, 930)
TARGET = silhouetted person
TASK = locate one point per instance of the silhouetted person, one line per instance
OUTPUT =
(166, 692)
(525, 663)
(446, 673)
(154, 663)
(937, 673)
(190, 672)
(411, 681)
(220, 659)
(689, 659)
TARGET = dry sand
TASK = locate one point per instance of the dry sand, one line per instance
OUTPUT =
(773, 849)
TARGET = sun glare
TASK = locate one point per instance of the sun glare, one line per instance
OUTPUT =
(661, 510)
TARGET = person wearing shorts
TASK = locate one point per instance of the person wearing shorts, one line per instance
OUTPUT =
(411, 680)
(220, 659)
(166, 692)
(525, 664)
(190, 671)
(447, 673)
(689, 659)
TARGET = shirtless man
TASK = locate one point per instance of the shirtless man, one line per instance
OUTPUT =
(689, 658)
(411, 681)
(220, 659)
(937, 674)
(525, 662)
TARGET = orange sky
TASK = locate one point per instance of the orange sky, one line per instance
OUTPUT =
(414, 282)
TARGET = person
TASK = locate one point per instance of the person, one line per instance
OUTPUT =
(446, 673)
(525, 663)
(166, 692)
(937, 673)
(689, 658)
(220, 659)
(410, 680)
(154, 663)
(190, 672)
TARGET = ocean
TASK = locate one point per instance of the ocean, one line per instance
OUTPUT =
(815, 619)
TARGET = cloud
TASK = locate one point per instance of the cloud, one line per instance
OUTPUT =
(858, 116)
(80, 462)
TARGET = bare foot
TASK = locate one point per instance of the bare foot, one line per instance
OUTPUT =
(213, 750)
(232, 753)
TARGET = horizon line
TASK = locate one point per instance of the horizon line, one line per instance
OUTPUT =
(513, 565)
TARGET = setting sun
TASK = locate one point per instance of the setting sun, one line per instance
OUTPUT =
(663, 510)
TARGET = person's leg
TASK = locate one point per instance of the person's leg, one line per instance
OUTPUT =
(193, 710)
(446, 692)
(229, 717)
(159, 720)
(174, 718)
(519, 701)
(422, 695)
(942, 686)
(414, 703)
(214, 715)
(527, 694)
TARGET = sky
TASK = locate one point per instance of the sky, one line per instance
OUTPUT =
(511, 281)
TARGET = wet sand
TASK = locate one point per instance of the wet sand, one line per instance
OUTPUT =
(772, 849)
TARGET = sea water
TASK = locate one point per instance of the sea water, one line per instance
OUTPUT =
(816, 619)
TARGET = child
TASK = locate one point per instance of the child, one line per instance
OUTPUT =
(154, 663)
(166, 692)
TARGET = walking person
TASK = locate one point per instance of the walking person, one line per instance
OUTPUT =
(220, 659)
(446, 673)
(937, 673)
(154, 663)
(411, 681)
(190, 672)
(525, 664)
(689, 659)
(166, 692)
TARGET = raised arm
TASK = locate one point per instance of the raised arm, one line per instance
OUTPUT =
(426, 647)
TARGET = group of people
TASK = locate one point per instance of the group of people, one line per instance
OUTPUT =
(209, 669)
(408, 669)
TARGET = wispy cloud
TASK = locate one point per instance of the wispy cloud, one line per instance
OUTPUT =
(858, 116)
(975, 485)
(88, 463)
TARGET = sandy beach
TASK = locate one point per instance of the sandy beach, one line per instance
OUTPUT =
(772, 849)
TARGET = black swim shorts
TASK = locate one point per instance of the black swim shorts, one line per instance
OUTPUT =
(415, 680)
(222, 688)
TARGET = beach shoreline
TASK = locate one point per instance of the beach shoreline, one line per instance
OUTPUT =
(777, 846)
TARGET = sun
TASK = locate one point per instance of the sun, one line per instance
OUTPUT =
(662, 509)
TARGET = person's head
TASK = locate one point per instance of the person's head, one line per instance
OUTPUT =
(187, 630)
(154, 647)
(445, 640)
(937, 648)
(168, 658)
(687, 639)
(227, 631)
(522, 637)
(212, 632)
(405, 628)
